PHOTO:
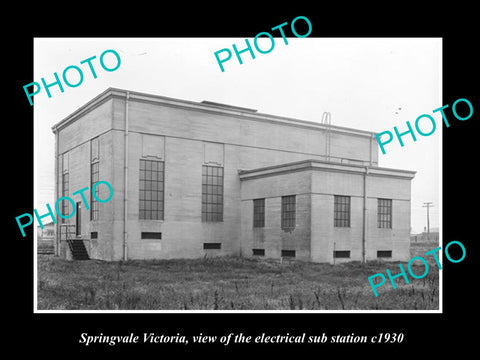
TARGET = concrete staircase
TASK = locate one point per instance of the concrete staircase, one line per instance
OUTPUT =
(78, 250)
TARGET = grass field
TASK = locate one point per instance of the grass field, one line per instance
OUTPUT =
(229, 283)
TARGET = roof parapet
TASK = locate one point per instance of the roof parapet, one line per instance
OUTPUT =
(230, 110)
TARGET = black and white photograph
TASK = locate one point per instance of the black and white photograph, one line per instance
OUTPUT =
(264, 190)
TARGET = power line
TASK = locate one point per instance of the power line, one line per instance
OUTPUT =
(428, 205)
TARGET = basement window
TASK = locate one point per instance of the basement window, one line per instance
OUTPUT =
(94, 235)
(212, 246)
(151, 235)
(258, 252)
(341, 254)
(288, 253)
(384, 253)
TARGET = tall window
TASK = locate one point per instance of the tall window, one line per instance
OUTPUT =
(212, 193)
(151, 204)
(65, 186)
(384, 213)
(78, 219)
(259, 213)
(65, 203)
(288, 212)
(94, 177)
(341, 214)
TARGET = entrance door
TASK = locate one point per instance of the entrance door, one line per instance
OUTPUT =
(78, 220)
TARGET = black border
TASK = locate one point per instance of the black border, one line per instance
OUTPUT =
(428, 333)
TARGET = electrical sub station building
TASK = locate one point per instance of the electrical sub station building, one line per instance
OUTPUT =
(194, 179)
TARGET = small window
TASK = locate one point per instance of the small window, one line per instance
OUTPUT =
(288, 213)
(152, 235)
(94, 235)
(288, 253)
(341, 211)
(212, 246)
(259, 213)
(341, 254)
(384, 213)
(384, 253)
(259, 252)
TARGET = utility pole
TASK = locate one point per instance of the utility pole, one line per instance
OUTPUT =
(428, 205)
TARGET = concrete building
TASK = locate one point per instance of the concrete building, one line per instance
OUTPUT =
(193, 179)
(47, 233)
(46, 239)
(432, 235)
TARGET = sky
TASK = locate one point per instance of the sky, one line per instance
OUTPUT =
(371, 84)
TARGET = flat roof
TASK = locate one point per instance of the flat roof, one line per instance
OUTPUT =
(204, 105)
(226, 106)
(314, 164)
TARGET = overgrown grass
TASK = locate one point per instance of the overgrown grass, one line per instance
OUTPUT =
(226, 283)
(45, 246)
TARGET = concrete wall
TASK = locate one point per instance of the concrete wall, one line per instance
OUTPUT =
(74, 142)
(103, 246)
(183, 232)
(272, 238)
(87, 126)
(326, 237)
(396, 239)
(207, 126)
(246, 144)
(185, 140)
(316, 238)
